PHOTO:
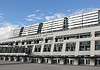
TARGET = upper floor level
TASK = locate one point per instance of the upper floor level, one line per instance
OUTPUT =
(65, 23)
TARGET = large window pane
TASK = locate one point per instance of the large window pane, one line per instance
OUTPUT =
(97, 45)
(70, 46)
(84, 46)
(58, 47)
(37, 48)
(47, 48)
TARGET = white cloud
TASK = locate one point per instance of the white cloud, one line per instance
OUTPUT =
(54, 16)
(1, 17)
(5, 30)
(37, 10)
(33, 17)
(38, 16)
(80, 11)
(5, 27)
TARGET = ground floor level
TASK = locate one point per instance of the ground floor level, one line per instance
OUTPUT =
(94, 61)
(68, 61)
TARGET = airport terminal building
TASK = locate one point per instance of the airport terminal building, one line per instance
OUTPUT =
(72, 40)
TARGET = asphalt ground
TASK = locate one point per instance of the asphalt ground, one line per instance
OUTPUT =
(32, 66)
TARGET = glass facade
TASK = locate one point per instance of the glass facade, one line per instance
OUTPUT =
(97, 45)
(70, 46)
(85, 46)
(58, 47)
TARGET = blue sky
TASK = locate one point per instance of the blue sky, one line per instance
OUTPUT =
(17, 11)
(14, 13)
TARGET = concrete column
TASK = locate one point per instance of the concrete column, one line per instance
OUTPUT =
(4, 58)
(22, 59)
(15, 58)
(49, 61)
(52, 46)
(33, 47)
(63, 48)
(42, 46)
(92, 49)
(31, 60)
(62, 61)
(76, 61)
(92, 62)
(39, 60)
(9, 58)
(77, 48)
(28, 59)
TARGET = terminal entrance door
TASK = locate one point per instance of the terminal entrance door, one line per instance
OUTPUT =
(97, 61)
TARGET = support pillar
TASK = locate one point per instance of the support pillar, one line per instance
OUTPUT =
(15, 58)
(4, 58)
(22, 59)
(76, 61)
(39, 60)
(9, 58)
(49, 61)
(61, 61)
(28, 59)
(92, 62)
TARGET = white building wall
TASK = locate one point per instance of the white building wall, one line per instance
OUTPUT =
(57, 25)
(83, 19)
